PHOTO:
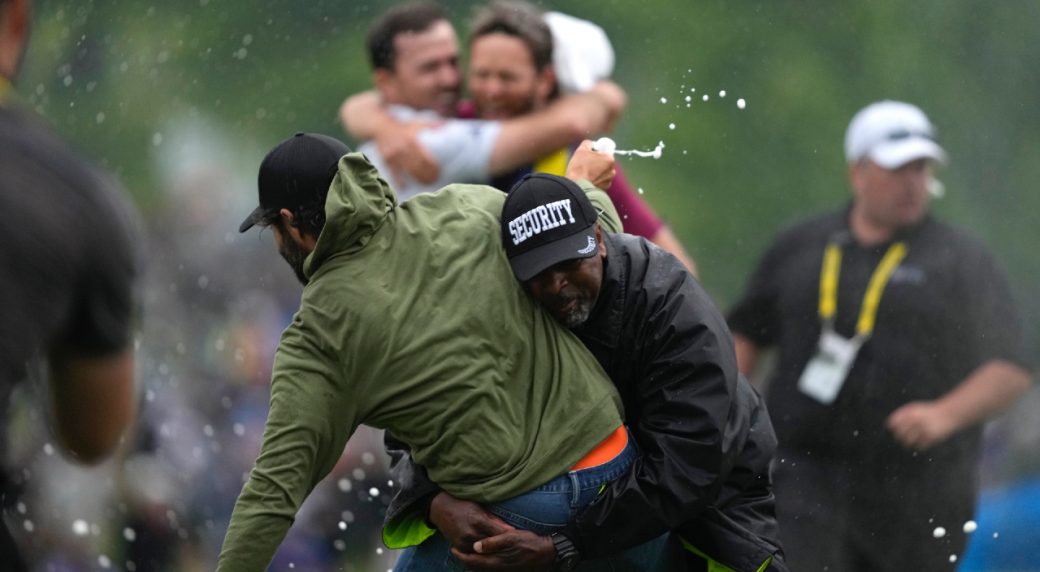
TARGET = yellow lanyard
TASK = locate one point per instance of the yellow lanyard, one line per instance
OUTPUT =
(878, 280)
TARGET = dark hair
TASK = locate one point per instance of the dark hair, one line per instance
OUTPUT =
(310, 219)
(403, 18)
(519, 19)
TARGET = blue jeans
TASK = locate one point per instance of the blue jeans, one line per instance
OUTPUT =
(545, 510)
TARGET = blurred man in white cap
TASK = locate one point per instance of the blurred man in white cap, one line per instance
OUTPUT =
(896, 340)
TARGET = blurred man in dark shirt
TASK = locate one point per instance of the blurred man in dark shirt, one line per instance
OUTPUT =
(66, 288)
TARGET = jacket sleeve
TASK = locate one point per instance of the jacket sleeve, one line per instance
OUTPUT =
(682, 401)
(639, 218)
(608, 215)
(405, 524)
(311, 416)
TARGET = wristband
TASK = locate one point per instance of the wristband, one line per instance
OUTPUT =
(567, 556)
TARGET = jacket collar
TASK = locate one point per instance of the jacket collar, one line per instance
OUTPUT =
(358, 203)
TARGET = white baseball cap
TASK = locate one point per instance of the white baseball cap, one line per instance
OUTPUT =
(891, 134)
(582, 54)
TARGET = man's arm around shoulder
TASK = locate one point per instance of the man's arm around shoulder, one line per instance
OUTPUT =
(526, 138)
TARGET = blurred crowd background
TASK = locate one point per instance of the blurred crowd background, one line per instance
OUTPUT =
(181, 100)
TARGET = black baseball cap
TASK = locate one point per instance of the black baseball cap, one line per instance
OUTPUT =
(546, 219)
(297, 172)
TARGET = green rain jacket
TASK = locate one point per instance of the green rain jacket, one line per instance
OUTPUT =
(413, 322)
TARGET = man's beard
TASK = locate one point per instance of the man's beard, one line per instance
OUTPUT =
(576, 317)
(295, 256)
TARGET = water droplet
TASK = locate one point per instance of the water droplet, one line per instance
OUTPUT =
(103, 561)
(704, 97)
(80, 527)
(663, 99)
(741, 104)
(29, 526)
(953, 558)
(48, 449)
(345, 485)
(342, 525)
(640, 189)
(238, 429)
(939, 532)
(373, 492)
(722, 93)
(129, 534)
(157, 139)
(970, 527)
(368, 458)
(671, 126)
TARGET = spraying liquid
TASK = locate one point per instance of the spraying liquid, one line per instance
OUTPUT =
(607, 145)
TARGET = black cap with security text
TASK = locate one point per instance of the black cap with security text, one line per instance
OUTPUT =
(297, 172)
(546, 219)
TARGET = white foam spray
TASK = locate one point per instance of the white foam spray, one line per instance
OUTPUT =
(607, 145)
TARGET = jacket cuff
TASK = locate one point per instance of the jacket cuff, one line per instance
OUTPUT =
(410, 527)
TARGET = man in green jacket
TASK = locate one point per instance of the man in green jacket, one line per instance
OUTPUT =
(411, 321)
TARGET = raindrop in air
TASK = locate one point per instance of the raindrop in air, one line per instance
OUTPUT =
(80, 527)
